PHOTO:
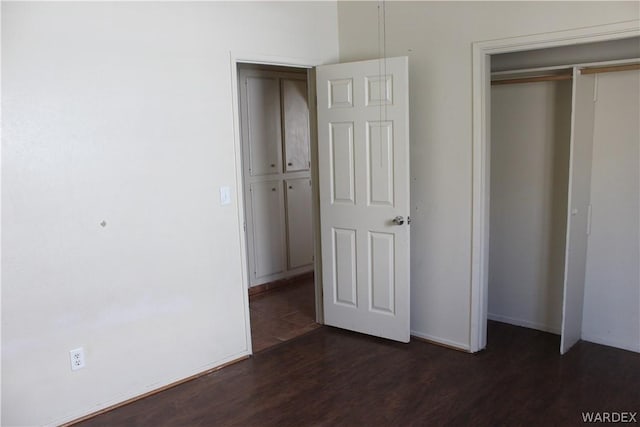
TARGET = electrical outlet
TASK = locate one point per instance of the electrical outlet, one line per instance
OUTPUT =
(77, 358)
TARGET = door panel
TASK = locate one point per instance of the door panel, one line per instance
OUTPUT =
(340, 93)
(382, 274)
(341, 166)
(296, 125)
(363, 153)
(299, 225)
(263, 115)
(380, 166)
(582, 119)
(267, 207)
(343, 281)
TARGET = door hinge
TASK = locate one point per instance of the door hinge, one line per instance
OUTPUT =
(408, 220)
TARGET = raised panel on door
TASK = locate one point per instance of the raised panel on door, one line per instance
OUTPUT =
(341, 173)
(299, 222)
(380, 163)
(268, 237)
(343, 281)
(582, 119)
(363, 158)
(295, 122)
(382, 276)
(263, 125)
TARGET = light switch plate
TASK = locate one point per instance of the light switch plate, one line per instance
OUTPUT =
(225, 196)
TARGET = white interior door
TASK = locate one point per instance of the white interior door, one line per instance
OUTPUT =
(582, 120)
(363, 156)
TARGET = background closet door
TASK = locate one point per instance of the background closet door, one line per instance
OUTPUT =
(263, 125)
(267, 227)
(296, 124)
(611, 313)
(275, 126)
(299, 225)
(579, 199)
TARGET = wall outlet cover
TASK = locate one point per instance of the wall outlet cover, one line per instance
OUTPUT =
(77, 359)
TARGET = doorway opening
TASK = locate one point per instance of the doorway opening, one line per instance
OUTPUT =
(368, 293)
(278, 197)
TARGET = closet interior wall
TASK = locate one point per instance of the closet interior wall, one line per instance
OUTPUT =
(530, 136)
(274, 114)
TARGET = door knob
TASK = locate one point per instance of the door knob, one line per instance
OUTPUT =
(399, 220)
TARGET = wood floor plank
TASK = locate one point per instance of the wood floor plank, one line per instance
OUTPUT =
(331, 377)
(282, 313)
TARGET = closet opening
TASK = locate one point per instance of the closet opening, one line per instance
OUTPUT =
(279, 186)
(556, 220)
(529, 181)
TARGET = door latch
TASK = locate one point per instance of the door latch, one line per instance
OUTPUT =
(399, 220)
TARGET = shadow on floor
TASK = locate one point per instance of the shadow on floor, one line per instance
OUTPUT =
(281, 314)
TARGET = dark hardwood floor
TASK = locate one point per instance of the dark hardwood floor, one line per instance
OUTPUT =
(331, 377)
(283, 313)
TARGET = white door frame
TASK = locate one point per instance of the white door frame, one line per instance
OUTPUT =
(481, 146)
(249, 58)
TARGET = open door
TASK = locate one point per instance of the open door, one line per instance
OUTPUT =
(582, 119)
(363, 161)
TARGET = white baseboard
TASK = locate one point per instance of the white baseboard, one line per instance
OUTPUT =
(133, 396)
(611, 343)
(524, 323)
(281, 276)
(443, 341)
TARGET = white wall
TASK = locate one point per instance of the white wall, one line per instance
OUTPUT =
(530, 136)
(611, 312)
(437, 37)
(122, 112)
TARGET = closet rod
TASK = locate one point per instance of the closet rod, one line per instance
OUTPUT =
(610, 69)
(550, 78)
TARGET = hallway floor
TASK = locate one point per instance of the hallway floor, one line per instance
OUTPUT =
(281, 314)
